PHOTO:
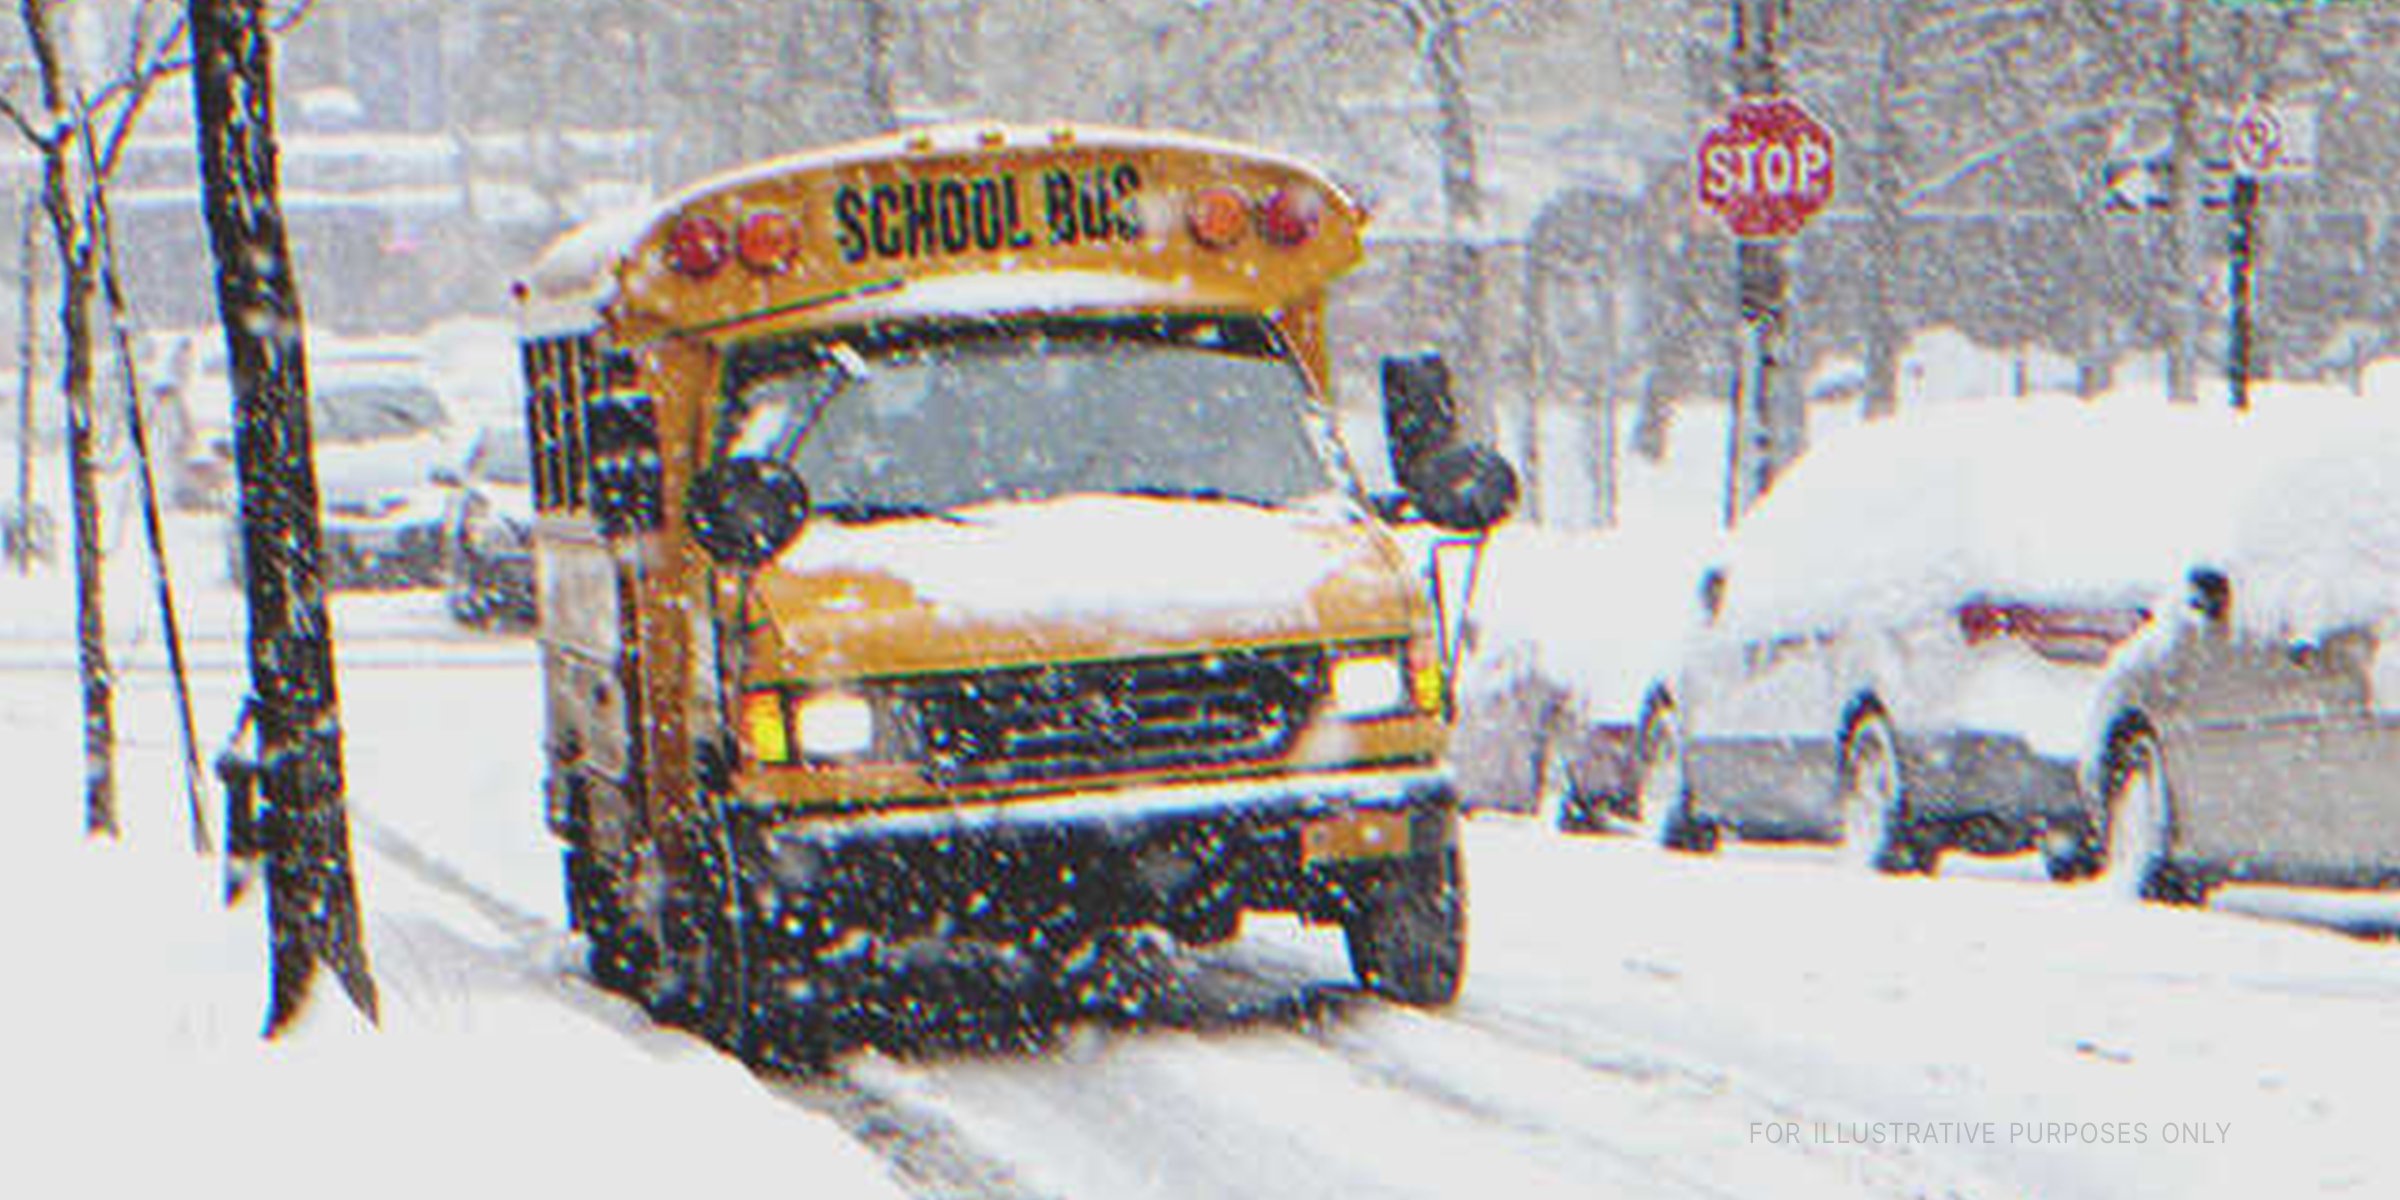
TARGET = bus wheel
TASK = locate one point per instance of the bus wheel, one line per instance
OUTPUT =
(1408, 936)
(614, 953)
(702, 981)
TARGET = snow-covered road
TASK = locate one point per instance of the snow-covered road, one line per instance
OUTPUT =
(1761, 1024)
(1770, 1025)
(1637, 1024)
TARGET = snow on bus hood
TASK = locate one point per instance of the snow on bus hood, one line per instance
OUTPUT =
(1085, 575)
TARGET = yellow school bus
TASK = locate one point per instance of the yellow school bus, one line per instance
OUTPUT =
(945, 537)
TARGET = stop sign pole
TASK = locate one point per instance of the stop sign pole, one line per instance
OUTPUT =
(1765, 169)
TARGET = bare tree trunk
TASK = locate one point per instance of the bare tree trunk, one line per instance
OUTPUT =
(22, 535)
(76, 287)
(1454, 128)
(1444, 48)
(312, 897)
(1884, 229)
(2183, 203)
(137, 429)
(883, 100)
(1656, 419)
(91, 620)
(2095, 373)
(1538, 387)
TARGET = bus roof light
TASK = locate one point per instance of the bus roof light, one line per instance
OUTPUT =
(768, 242)
(1218, 218)
(1290, 217)
(696, 247)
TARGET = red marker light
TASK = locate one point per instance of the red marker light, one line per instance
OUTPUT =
(767, 242)
(1218, 218)
(1290, 217)
(696, 247)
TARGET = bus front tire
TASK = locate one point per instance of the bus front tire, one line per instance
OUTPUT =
(1408, 935)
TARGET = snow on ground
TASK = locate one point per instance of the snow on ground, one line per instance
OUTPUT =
(1768, 1023)
(1764, 1023)
(130, 1026)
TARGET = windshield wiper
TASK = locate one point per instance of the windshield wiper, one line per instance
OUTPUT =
(1165, 492)
(867, 512)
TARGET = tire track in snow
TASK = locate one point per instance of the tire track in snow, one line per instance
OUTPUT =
(1257, 988)
(1376, 1061)
(927, 1155)
(1427, 1071)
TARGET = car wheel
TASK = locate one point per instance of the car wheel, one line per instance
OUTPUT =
(2141, 824)
(1662, 796)
(1408, 936)
(469, 607)
(1874, 801)
(1556, 802)
(2074, 853)
(471, 603)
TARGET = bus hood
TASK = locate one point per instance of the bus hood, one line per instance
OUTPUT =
(1075, 578)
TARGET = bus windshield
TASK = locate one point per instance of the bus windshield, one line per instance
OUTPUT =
(924, 419)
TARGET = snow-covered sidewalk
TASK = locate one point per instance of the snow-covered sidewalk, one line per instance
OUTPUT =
(130, 1057)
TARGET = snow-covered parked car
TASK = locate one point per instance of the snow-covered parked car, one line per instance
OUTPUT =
(1572, 633)
(383, 443)
(1901, 643)
(487, 532)
(187, 371)
(2253, 734)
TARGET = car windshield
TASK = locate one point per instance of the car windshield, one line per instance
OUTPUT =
(364, 410)
(933, 419)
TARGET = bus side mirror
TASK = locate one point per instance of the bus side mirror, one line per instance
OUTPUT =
(1466, 488)
(1419, 417)
(744, 511)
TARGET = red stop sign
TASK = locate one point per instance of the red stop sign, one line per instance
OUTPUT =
(1766, 168)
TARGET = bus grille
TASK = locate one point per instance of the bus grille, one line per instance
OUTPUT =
(1068, 720)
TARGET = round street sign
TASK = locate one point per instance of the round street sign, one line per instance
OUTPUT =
(1766, 168)
(2257, 141)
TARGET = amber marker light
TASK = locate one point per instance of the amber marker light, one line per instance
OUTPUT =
(697, 247)
(1218, 218)
(768, 242)
(764, 726)
(1290, 217)
(1425, 677)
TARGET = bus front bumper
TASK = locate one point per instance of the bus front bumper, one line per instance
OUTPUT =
(1189, 857)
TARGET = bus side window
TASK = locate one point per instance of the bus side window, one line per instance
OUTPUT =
(621, 428)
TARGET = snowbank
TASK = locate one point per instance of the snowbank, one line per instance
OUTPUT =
(130, 1026)
(136, 1068)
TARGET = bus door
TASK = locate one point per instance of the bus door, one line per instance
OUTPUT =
(596, 486)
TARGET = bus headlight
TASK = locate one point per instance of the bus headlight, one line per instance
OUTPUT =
(1368, 685)
(782, 728)
(833, 725)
